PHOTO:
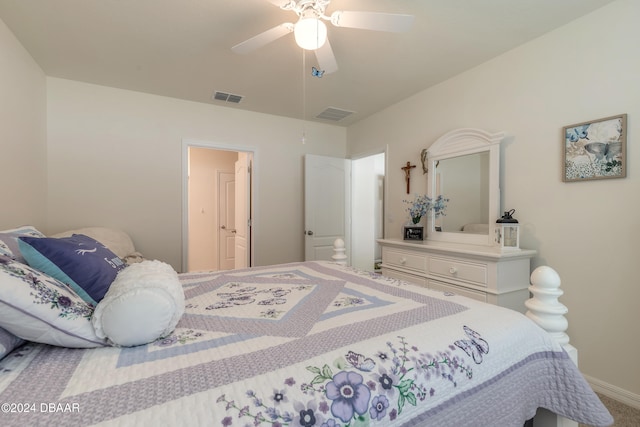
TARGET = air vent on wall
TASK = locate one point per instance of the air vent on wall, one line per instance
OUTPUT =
(227, 97)
(334, 114)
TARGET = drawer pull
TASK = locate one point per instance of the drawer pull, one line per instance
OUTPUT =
(403, 260)
(453, 270)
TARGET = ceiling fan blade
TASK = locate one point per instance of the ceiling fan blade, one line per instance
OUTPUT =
(282, 3)
(264, 38)
(392, 22)
(326, 59)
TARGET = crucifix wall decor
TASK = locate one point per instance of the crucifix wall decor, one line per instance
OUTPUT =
(407, 174)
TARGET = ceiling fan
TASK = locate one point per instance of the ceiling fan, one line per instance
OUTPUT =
(311, 32)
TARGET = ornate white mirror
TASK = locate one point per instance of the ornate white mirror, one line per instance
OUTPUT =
(464, 167)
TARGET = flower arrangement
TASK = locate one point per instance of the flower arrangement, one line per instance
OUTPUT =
(422, 204)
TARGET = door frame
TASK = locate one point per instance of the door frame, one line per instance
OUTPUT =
(253, 184)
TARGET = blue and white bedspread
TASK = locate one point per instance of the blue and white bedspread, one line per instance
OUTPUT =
(307, 344)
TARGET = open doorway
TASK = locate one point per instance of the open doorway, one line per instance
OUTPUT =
(344, 198)
(217, 208)
(367, 210)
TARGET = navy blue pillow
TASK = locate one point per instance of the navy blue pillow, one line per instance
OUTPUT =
(81, 262)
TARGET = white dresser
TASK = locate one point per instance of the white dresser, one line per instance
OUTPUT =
(478, 272)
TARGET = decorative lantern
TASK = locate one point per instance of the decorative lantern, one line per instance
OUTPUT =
(508, 231)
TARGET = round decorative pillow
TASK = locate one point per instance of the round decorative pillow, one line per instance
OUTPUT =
(144, 303)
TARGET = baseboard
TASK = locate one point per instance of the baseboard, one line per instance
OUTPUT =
(616, 393)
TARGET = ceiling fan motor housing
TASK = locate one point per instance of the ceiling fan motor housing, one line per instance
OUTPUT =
(310, 33)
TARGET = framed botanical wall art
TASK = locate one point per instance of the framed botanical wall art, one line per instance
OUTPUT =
(595, 149)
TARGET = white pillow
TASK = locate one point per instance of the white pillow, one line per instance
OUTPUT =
(144, 303)
(39, 308)
(9, 241)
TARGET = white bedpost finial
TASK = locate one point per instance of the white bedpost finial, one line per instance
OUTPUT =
(544, 307)
(548, 313)
(339, 252)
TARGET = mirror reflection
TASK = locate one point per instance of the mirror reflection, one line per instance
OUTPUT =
(464, 180)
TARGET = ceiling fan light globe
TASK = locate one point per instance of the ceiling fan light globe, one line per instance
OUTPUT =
(310, 33)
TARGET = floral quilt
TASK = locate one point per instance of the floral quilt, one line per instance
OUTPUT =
(307, 344)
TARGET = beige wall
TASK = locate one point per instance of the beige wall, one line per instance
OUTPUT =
(587, 231)
(22, 136)
(115, 156)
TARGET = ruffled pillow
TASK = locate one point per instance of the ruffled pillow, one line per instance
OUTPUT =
(144, 303)
(39, 308)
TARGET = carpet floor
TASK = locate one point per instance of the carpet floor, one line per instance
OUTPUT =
(623, 415)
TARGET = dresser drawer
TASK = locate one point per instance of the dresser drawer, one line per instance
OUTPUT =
(404, 259)
(481, 274)
(411, 278)
(456, 269)
(458, 290)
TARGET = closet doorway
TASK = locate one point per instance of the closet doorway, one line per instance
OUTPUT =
(367, 209)
(217, 228)
(345, 198)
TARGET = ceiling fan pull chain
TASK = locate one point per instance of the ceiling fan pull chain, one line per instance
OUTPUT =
(304, 98)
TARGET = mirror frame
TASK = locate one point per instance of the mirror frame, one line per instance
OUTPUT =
(461, 142)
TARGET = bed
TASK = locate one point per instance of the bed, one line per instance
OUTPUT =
(306, 344)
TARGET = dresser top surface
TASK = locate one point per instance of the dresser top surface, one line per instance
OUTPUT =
(493, 253)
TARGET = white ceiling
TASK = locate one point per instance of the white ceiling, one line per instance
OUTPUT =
(182, 48)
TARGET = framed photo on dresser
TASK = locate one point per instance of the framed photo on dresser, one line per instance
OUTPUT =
(414, 233)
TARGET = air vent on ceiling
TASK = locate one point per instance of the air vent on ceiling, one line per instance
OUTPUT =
(334, 114)
(227, 97)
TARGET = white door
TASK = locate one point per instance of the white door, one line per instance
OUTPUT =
(227, 220)
(242, 211)
(327, 183)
